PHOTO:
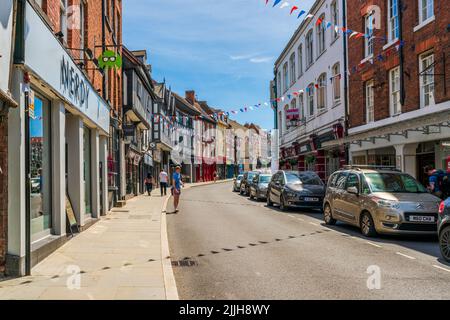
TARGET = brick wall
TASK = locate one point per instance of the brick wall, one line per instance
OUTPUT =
(3, 191)
(433, 36)
(93, 41)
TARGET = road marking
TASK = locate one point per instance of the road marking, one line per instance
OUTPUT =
(405, 255)
(373, 244)
(315, 224)
(441, 268)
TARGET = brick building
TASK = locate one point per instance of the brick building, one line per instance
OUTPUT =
(399, 84)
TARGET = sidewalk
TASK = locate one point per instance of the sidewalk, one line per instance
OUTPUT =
(117, 258)
(124, 256)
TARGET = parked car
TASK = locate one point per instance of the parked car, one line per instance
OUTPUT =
(380, 200)
(259, 185)
(237, 183)
(296, 189)
(245, 183)
(444, 229)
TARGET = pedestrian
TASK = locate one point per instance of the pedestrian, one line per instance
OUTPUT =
(149, 184)
(176, 187)
(163, 180)
(215, 176)
(434, 181)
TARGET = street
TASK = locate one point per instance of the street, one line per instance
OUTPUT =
(224, 246)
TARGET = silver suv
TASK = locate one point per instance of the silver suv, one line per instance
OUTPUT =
(380, 200)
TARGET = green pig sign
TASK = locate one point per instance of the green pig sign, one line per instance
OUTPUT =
(110, 59)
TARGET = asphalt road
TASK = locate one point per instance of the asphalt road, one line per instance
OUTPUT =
(234, 248)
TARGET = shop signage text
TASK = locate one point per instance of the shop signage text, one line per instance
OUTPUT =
(74, 84)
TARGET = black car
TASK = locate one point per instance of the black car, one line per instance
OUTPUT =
(258, 187)
(444, 229)
(246, 181)
(294, 189)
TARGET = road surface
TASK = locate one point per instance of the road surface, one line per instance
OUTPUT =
(225, 246)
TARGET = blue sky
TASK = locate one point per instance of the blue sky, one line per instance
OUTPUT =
(223, 49)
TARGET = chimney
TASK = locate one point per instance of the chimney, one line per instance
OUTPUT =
(190, 96)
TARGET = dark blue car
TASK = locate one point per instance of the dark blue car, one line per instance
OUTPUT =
(444, 229)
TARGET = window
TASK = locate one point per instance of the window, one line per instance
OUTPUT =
(393, 22)
(394, 88)
(340, 183)
(301, 107)
(309, 48)
(82, 28)
(426, 69)
(369, 39)
(279, 84)
(280, 122)
(426, 10)
(336, 83)
(352, 181)
(292, 65)
(63, 18)
(286, 122)
(300, 60)
(311, 100)
(334, 19)
(370, 111)
(40, 162)
(320, 31)
(285, 77)
(322, 92)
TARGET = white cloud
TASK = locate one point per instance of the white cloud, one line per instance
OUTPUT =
(261, 60)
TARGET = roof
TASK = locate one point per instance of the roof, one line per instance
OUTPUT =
(185, 105)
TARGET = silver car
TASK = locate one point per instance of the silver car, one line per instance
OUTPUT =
(380, 201)
(237, 183)
(258, 188)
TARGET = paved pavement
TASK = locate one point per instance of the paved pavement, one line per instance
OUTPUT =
(119, 257)
(229, 247)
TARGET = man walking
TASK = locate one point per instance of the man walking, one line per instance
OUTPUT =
(176, 187)
(163, 180)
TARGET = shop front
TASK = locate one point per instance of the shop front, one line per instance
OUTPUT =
(133, 172)
(57, 147)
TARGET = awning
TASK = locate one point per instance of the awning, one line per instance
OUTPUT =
(426, 124)
(8, 99)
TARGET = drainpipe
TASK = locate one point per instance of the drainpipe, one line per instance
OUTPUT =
(346, 106)
(401, 57)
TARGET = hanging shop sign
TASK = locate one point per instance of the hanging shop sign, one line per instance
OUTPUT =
(48, 61)
(293, 114)
(305, 148)
(128, 130)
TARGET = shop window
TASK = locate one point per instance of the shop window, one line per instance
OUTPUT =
(40, 168)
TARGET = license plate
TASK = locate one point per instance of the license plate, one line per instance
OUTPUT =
(312, 199)
(421, 219)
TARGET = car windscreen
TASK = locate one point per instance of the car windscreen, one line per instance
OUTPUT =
(394, 182)
(307, 178)
(239, 177)
(251, 176)
(264, 179)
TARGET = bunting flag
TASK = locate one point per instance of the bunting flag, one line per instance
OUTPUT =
(319, 22)
(276, 3)
(302, 12)
(284, 5)
(293, 9)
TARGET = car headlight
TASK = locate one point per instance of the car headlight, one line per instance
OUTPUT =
(290, 194)
(392, 204)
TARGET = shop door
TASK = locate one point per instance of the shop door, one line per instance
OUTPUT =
(424, 160)
(87, 170)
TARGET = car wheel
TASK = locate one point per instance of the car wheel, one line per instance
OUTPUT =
(269, 202)
(328, 216)
(444, 243)
(251, 196)
(282, 204)
(367, 225)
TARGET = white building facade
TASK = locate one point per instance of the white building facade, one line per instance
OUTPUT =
(57, 147)
(309, 85)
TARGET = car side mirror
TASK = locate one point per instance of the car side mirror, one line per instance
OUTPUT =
(353, 190)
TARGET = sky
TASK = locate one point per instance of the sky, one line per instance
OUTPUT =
(225, 50)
